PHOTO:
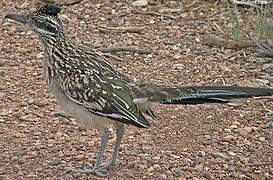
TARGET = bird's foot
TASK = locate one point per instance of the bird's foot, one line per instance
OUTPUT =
(110, 163)
(99, 171)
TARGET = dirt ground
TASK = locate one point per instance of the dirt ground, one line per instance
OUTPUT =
(37, 141)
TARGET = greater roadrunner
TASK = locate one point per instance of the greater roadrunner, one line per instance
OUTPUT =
(89, 89)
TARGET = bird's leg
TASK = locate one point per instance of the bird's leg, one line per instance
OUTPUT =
(119, 134)
(97, 169)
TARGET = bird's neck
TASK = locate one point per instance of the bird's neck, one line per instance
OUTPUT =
(57, 42)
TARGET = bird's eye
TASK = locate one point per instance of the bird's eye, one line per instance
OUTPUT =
(46, 25)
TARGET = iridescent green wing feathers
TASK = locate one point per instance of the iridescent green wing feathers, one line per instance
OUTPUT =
(102, 91)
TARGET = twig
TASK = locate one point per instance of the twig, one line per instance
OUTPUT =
(268, 110)
(67, 2)
(249, 164)
(120, 29)
(112, 56)
(130, 49)
(264, 49)
(5, 122)
(205, 17)
(155, 13)
(255, 4)
(212, 40)
(219, 27)
(170, 10)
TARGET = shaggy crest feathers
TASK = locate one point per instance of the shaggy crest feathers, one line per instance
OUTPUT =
(50, 10)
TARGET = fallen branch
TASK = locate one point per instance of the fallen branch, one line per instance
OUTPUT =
(170, 10)
(212, 40)
(120, 29)
(263, 49)
(64, 2)
(130, 49)
(155, 13)
(248, 164)
(112, 56)
(255, 4)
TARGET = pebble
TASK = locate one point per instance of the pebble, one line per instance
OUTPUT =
(2, 63)
(176, 172)
(267, 66)
(218, 154)
(28, 117)
(232, 153)
(83, 139)
(262, 139)
(40, 55)
(229, 137)
(233, 126)
(156, 167)
(140, 3)
(227, 130)
(202, 153)
(242, 176)
(79, 156)
(156, 158)
(200, 168)
(163, 176)
(248, 129)
(31, 176)
(151, 22)
(150, 169)
(59, 134)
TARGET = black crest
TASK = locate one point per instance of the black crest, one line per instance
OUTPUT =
(50, 10)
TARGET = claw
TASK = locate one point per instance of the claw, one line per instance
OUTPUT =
(110, 163)
(99, 171)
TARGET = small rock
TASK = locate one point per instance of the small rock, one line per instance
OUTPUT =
(28, 117)
(200, 168)
(262, 139)
(267, 66)
(40, 55)
(163, 176)
(248, 129)
(3, 177)
(233, 126)
(242, 176)
(202, 153)
(176, 172)
(227, 130)
(267, 77)
(83, 139)
(218, 154)
(156, 167)
(232, 153)
(229, 138)
(156, 158)
(79, 156)
(151, 22)
(140, 3)
(150, 169)
(2, 63)
(176, 157)
(261, 81)
(31, 176)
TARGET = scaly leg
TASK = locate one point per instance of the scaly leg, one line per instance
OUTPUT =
(119, 133)
(98, 170)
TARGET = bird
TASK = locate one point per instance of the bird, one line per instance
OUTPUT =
(98, 96)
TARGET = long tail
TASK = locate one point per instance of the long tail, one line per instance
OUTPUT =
(147, 95)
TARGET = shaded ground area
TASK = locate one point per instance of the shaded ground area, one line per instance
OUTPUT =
(209, 142)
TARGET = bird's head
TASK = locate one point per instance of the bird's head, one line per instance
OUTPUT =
(44, 21)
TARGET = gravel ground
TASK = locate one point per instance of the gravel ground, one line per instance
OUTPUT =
(38, 141)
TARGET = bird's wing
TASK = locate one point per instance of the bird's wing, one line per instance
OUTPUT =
(103, 92)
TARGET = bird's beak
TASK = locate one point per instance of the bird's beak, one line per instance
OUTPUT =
(20, 18)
